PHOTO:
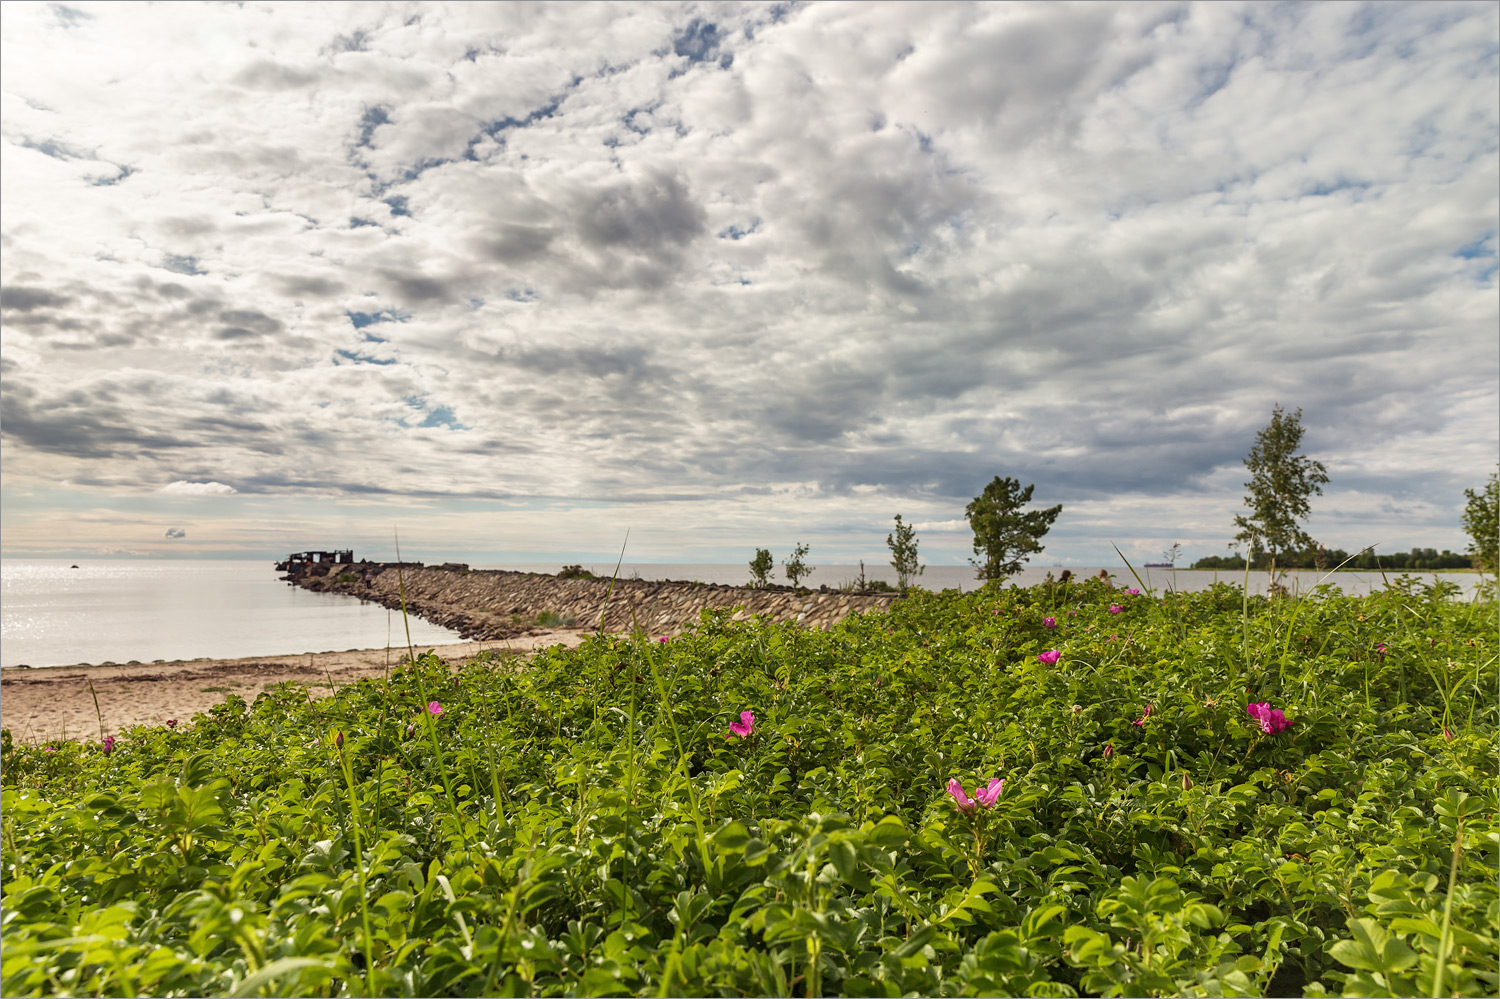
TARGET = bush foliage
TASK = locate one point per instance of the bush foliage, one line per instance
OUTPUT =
(587, 824)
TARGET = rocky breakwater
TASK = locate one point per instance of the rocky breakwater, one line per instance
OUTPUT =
(489, 604)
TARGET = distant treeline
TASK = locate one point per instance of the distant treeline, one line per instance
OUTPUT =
(1426, 559)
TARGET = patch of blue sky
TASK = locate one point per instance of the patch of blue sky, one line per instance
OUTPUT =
(352, 43)
(442, 416)
(125, 171)
(418, 168)
(355, 222)
(69, 16)
(397, 204)
(525, 295)
(1482, 247)
(628, 118)
(700, 42)
(363, 319)
(432, 416)
(1322, 189)
(372, 119)
(182, 265)
(735, 232)
(497, 128)
(350, 355)
(1482, 254)
(56, 150)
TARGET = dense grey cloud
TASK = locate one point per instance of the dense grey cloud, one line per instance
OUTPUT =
(723, 266)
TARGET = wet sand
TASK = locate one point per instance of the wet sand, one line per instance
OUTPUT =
(42, 704)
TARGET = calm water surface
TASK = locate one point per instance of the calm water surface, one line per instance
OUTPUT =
(121, 610)
(118, 611)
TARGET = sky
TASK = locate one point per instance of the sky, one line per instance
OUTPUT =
(518, 281)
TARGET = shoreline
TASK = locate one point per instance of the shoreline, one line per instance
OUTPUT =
(39, 704)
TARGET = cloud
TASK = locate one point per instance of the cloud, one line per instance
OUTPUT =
(827, 257)
(175, 532)
(182, 487)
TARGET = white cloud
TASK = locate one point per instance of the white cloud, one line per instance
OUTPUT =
(663, 255)
(184, 488)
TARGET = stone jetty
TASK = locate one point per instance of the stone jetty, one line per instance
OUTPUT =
(490, 604)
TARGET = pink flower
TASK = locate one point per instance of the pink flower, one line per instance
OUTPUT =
(665, 639)
(1049, 622)
(338, 741)
(434, 708)
(1072, 613)
(48, 749)
(1109, 750)
(964, 802)
(1115, 608)
(171, 723)
(1141, 721)
(985, 796)
(744, 726)
(1272, 720)
(109, 744)
(1050, 657)
(1133, 592)
(1448, 735)
(1380, 649)
(990, 793)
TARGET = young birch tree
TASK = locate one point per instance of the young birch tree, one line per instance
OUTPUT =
(903, 546)
(1281, 480)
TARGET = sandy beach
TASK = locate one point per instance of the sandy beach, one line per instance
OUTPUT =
(42, 704)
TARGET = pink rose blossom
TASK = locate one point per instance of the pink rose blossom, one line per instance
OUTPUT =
(990, 793)
(1049, 658)
(1115, 608)
(434, 708)
(744, 726)
(1141, 721)
(1109, 750)
(1272, 720)
(964, 802)
(985, 796)
(1049, 622)
(1133, 592)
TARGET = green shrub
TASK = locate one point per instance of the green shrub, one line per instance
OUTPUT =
(590, 824)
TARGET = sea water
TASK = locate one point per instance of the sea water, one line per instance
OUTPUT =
(52, 614)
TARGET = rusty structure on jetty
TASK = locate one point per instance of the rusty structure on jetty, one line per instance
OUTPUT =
(298, 561)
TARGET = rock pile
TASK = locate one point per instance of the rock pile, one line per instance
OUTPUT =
(488, 604)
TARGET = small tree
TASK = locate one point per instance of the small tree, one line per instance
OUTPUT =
(1482, 522)
(796, 569)
(1005, 536)
(903, 546)
(760, 568)
(1281, 480)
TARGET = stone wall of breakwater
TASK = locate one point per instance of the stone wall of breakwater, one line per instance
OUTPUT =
(488, 604)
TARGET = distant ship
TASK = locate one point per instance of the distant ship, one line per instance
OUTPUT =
(1159, 565)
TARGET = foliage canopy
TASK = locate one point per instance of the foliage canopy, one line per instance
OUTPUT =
(1281, 480)
(903, 546)
(760, 568)
(1005, 535)
(590, 825)
(796, 568)
(1482, 522)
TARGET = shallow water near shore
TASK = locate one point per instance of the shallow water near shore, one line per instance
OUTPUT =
(122, 610)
